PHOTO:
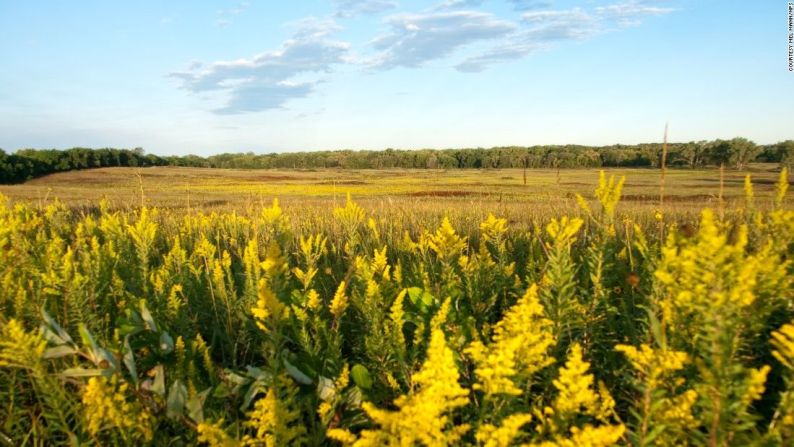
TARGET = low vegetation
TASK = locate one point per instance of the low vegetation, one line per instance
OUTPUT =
(593, 324)
(737, 153)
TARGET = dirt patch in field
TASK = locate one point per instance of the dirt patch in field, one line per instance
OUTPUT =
(211, 203)
(446, 194)
(343, 182)
(268, 178)
(670, 198)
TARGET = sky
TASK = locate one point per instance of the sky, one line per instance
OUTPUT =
(203, 77)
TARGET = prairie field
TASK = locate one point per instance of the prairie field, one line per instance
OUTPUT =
(573, 307)
(236, 189)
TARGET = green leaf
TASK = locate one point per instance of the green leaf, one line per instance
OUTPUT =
(195, 405)
(59, 351)
(129, 360)
(361, 376)
(59, 336)
(175, 404)
(131, 324)
(166, 343)
(88, 341)
(147, 317)
(159, 380)
(420, 298)
(83, 372)
(326, 389)
(296, 374)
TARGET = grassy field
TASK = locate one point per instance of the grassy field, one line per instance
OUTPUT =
(433, 308)
(423, 190)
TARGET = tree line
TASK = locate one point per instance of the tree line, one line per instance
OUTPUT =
(736, 153)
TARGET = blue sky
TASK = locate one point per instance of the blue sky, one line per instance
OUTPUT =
(184, 77)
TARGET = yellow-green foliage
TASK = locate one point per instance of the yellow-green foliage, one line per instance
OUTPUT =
(373, 326)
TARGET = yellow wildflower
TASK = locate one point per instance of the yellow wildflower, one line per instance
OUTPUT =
(313, 300)
(563, 231)
(214, 435)
(105, 406)
(677, 411)
(489, 435)
(274, 215)
(589, 436)
(268, 307)
(653, 363)
(783, 342)
(446, 242)
(351, 215)
(755, 384)
(275, 422)
(493, 228)
(343, 380)
(608, 193)
(19, 348)
(339, 302)
(520, 347)
(575, 386)
(423, 417)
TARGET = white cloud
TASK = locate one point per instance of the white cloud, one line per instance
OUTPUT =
(352, 8)
(546, 27)
(265, 81)
(415, 39)
(526, 5)
(225, 15)
(521, 5)
(632, 12)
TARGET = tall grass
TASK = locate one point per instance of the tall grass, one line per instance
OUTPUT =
(382, 326)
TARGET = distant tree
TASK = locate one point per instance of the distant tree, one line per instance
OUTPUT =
(785, 150)
(743, 151)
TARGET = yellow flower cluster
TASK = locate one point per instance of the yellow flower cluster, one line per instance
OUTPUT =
(492, 229)
(589, 436)
(423, 417)
(677, 411)
(275, 422)
(19, 348)
(575, 386)
(519, 348)
(339, 302)
(708, 273)
(489, 435)
(783, 342)
(214, 435)
(351, 215)
(446, 242)
(653, 364)
(608, 193)
(755, 383)
(563, 231)
(269, 309)
(106, 406)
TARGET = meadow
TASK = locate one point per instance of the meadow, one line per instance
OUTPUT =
(574, 307)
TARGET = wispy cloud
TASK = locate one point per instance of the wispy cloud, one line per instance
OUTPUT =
(352, 8)
(415, 39)
(520, 5)
(632, 12)
(459, 4)
(543, 28)
(527, 5)
(452, 28)
(266, 81)
(224, 16)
